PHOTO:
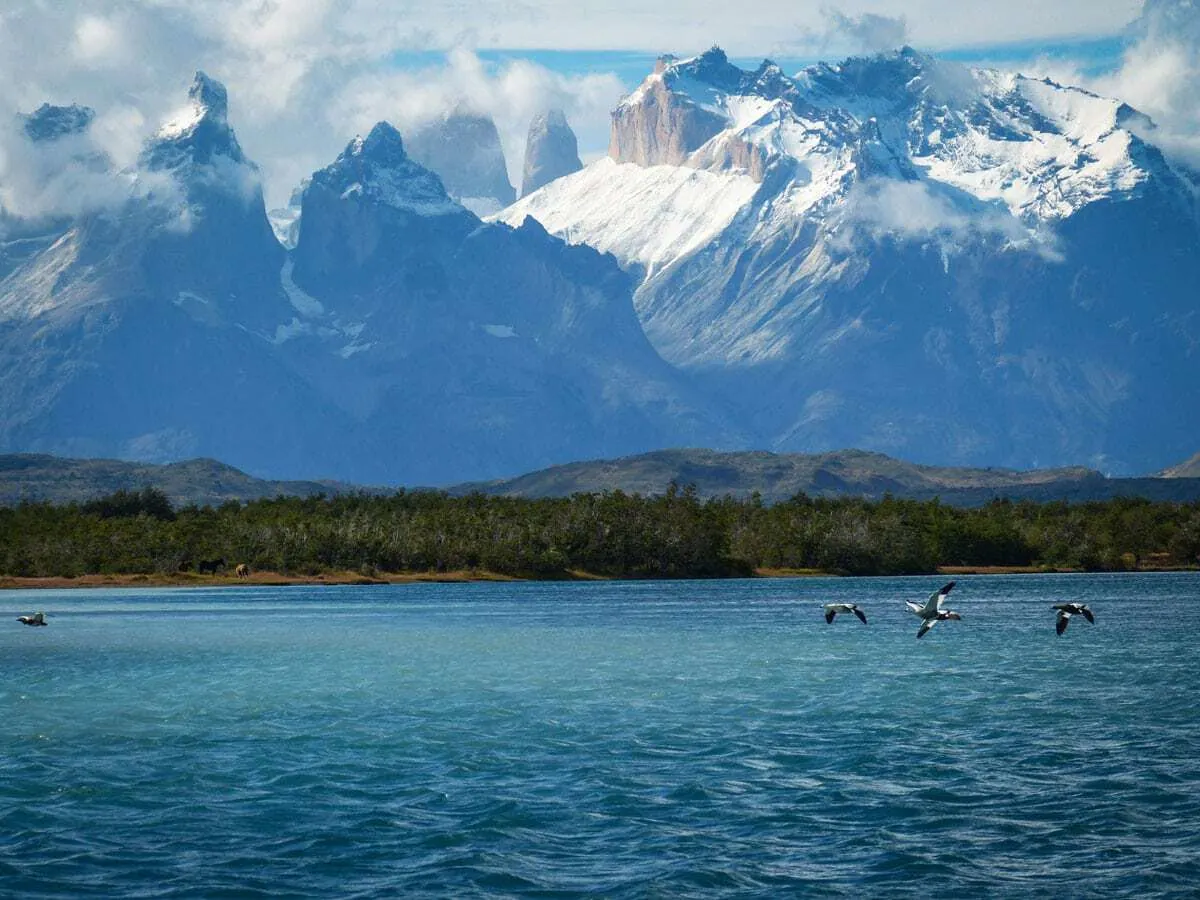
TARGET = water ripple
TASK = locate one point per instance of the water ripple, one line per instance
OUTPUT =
(626, 741)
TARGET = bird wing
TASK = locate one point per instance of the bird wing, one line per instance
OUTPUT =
(1064, 619)
(862, 615)
(925, 626)
(829, 614)
(1087, 614)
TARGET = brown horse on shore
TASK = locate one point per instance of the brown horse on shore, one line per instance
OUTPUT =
(242, 570)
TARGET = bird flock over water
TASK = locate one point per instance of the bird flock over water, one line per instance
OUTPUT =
(931, 611)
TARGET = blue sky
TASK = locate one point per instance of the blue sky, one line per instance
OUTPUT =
(1094, 55)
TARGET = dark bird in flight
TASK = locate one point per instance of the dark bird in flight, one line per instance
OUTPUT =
(1066, 610)
(832, 609)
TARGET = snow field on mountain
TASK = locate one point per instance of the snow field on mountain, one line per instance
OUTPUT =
(645, 216)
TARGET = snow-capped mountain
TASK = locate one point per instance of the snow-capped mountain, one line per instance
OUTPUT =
(466, 346)
(893, 253)
(906, 255)
(402, 340)
(135, 330)
(464, 149)
(551, 151)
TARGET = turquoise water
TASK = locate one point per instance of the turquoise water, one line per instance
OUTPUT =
(676, 739)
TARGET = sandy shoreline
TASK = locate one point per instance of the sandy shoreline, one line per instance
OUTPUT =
(256, 579)
(261, 579)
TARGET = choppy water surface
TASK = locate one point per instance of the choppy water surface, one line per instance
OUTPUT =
(622, 740)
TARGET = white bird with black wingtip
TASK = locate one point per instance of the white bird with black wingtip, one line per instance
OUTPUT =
(832, 609)
(1066, 610)
(932, 613)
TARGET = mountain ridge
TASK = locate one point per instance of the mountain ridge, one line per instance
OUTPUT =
(778, 477)
(39, 477)
(774, 477)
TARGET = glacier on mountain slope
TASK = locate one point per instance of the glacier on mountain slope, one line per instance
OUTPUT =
(904, 254)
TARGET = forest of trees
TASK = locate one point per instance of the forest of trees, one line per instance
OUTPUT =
(676, 535)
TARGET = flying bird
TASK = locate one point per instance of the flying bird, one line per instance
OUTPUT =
(932, 613)
(1066, 610)
(36, 619)
(943, 615)
(832, 609)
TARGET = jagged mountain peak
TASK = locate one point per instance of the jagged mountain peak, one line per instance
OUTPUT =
(551, 151)
(383, 144)
(550, 118)
(210, 95)
(50, 123)
(1040, 149)
(463, 147)
(197, 133)
(378, 170)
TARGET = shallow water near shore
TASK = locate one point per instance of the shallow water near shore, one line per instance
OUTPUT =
(665, 739)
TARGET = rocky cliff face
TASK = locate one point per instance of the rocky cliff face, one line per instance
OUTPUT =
(463, 148)
(675, 117)
(656, 126)
(551, 151)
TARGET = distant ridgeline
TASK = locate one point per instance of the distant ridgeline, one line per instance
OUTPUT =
(675, 534)
(773, 477)
(39, 477)
(846, 473)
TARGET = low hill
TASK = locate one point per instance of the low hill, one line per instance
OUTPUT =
(777, 477)
(204, 482)
(1189, 468)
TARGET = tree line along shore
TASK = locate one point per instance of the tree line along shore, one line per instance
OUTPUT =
(413, 534)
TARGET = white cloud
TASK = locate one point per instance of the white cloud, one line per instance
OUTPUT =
(97, 40)
(868, 33)
(919, 211)
(68, 176)
(1160, 76)
(512, 94)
